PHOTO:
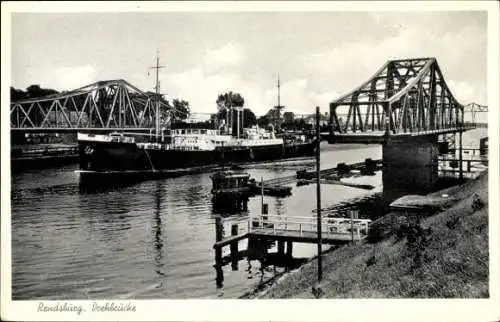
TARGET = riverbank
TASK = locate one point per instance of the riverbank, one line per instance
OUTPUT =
(440, 256)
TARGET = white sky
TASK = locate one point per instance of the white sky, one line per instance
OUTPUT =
(319, 55)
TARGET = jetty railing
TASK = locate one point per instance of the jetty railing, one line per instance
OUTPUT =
(329, 225)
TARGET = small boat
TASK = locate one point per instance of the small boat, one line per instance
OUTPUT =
(272, 190)
(278, 191)
(230, 184)
(303, 182)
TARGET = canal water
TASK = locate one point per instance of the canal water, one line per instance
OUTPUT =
(152, 239)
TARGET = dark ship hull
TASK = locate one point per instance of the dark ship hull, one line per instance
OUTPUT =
(121, 158)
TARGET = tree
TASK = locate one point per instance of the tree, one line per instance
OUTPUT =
(180, 109)
(249, 118)
(17, 94)
(263, 121)
(35, 91)
(32, 91)
(224, 101)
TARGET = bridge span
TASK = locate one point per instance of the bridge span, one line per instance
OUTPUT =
(405, 106)
(406, 97)
(103, 106)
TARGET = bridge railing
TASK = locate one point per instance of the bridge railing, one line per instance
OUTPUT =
(329, 225)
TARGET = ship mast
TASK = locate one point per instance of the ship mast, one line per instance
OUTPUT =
(279, 86)
(279, 107)
(157, 95)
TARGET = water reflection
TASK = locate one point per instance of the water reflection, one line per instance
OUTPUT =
(96, 185)
(157, 227)
(279, 206)
(229, 206)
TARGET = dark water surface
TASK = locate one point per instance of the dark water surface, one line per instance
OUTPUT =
(152, 239)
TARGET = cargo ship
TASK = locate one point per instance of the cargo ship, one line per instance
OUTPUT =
(185, 147)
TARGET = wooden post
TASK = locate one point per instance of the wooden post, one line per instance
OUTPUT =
(218, 238)
(264, 217)
(234, 248)
(219, 278)
(318, 196)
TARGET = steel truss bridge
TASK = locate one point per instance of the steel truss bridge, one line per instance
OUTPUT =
(105, 105)
(404, 98)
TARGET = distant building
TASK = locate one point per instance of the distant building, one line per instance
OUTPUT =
(198, 118)
(311, 119)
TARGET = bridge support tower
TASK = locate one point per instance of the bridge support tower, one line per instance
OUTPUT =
(410, 164)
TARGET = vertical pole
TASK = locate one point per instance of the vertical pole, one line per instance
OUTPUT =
(218, 238)
(218, 252)
(157, 98)
(57, 116)
(460, 156)
(242, 119)
(234, 248)
(318, 196)
(351, 212)
(222, 147)
(262, 194)
(237, 124)
(227, 120)
(231, 113)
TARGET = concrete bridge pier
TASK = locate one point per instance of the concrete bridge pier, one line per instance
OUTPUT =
(410, 165)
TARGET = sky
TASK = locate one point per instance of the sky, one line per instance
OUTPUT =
(319, 55)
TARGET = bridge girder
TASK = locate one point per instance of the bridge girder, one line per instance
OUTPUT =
(403, 96)
(101, 105)
(473, 109)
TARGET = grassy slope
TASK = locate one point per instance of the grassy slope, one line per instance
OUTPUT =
(453, 259)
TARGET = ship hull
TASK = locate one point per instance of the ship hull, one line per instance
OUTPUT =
(113, 157)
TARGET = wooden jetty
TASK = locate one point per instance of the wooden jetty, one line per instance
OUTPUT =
(290, 229)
